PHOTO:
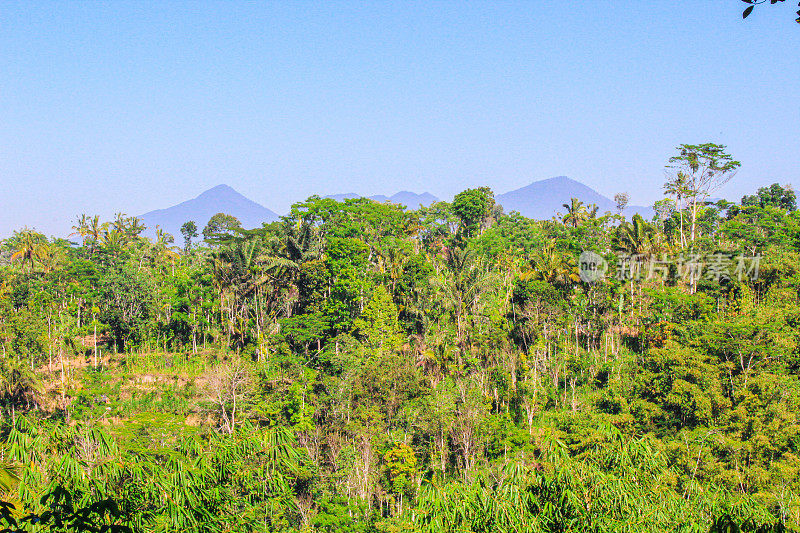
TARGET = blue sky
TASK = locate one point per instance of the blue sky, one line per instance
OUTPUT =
(130, 107)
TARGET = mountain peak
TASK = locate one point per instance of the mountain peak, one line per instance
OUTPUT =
(220, 199)
(560, 179)
(220, 190)
(557, 181)
(543, 199)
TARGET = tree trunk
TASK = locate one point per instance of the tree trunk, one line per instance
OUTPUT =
(680, 211)
(95, 344)
(63, 381)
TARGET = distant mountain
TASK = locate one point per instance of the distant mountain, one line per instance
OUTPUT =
(539, 200)
(220, 199)
(543, 199)
(344, 196)
(411, 200)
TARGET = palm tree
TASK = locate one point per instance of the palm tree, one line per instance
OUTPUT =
(89, 230)
(51, 258)
(576, 213)
(553, 266)
(301, 243)
(163, 247)
(135, 226)
(112, 237)
(242, 267)
(81, 227)
(637, 236)
(31, 247)
(120, 222)
(391, 261)
(678, 187)
(461, 287)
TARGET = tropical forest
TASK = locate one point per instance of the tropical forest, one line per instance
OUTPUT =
(361, 366)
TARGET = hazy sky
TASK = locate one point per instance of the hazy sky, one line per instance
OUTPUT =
(130, 107)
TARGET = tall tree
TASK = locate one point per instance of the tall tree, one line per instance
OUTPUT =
(621, 200)
(551, 264)
(189, 232)
(473, 208)
(705, 168)
(637, 236)
(30, 247)
(94, 232)
(220, 225)
(677, 187)
(378, 323)
(576, 213)
(81, 227)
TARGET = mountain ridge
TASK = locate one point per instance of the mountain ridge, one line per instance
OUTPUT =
(542, 199)
(409, 199)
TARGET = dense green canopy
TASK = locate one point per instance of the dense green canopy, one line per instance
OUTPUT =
(362, 367)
